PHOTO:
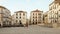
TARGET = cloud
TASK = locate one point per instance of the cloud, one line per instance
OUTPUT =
(1, 0)
(28, 0)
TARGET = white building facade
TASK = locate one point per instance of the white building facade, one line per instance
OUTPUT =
(19, 17)
(54, 12)
(36, 17)
(5, 16)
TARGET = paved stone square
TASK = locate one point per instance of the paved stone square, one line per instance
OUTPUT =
(33, 29)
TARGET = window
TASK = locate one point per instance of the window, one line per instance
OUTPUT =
(36, 22)
(33, 22)
(39, 14)
(39, 22)
(16, 14)
(51, 8)
(16, 17)
(20, 13)
(45, 15)
(59, 10)
(33, 16)
(55, 7)
(59, 15)
(33, 13)
(59, 3)
(55, 21)
(36, 19)
(24, 14)
(20, 17)
(36, 13)
(33, 19)
(16, 21)
(4, 23)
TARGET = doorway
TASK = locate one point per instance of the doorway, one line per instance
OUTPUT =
(0, 25)
(20, 22)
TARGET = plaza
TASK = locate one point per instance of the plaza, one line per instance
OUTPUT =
(33, 29)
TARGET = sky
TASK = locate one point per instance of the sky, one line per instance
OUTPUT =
(26, 5)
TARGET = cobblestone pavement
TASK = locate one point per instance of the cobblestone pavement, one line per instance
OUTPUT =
(30, 30)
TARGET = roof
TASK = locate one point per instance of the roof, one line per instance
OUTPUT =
(20, 12)
(51, 3)
(56, 1)
(36, 10)
(2, 7)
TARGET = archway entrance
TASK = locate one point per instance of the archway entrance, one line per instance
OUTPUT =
(20, 23)
(0, 25)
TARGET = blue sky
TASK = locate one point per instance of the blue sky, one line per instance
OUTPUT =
(26, 5)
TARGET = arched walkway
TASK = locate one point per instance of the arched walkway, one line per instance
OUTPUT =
(0, 25)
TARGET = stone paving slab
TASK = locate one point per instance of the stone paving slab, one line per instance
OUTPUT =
(34, 29)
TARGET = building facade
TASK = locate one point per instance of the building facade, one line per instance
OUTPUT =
(36, 17)
(45, 17)
(54, 12)
(19, 18)
(5, 16)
